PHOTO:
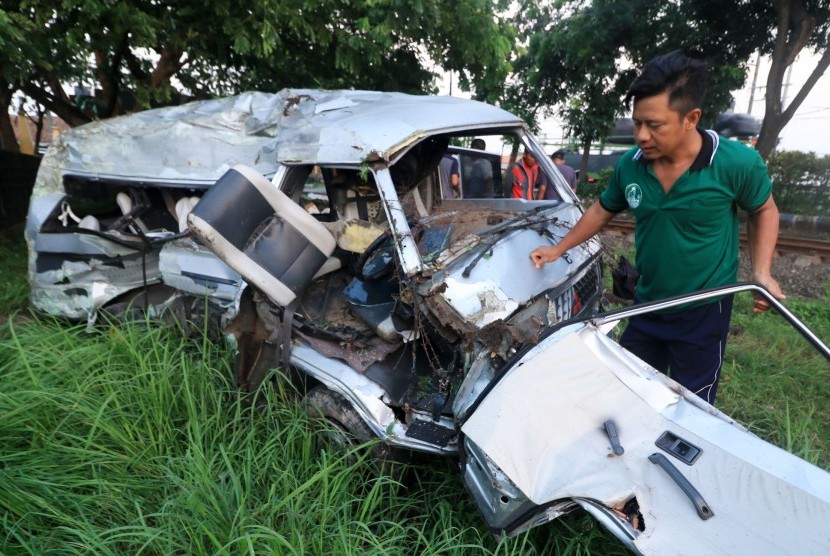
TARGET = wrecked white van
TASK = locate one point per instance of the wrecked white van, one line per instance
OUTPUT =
(319, 231)
(324, 239)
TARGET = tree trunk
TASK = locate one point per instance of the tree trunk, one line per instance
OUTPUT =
(768, 138)
(8, 142)
(795, 25)
(583, 163)
(67, 111)
(168, 65)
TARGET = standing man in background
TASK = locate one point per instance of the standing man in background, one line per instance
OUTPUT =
(567, 172)
(481, 175)
(526, 174)
(450, 181)
(684, 185)
(548, 193)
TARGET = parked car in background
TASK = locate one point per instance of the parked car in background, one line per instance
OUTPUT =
(733, 125)
(310, 228)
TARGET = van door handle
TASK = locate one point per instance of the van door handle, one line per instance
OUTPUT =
(613, 437)
(703, 509)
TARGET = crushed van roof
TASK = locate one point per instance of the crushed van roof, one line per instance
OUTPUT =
(198, 141)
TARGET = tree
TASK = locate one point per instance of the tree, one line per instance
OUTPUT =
(582, 57)
(145, 53)
(799, 24)
(801, 182)
(585, 50)
(582, 81)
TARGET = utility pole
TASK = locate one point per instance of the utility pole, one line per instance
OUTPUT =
(787, 83)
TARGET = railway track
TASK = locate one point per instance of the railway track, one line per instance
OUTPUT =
(785, 245)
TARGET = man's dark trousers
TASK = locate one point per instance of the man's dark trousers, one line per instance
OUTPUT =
(687, 345)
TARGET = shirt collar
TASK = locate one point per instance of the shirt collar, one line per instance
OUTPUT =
(706, 155)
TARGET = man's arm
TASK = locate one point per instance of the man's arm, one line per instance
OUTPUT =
(762, 232)
(587, 227)
(540, 193)
(516, 182)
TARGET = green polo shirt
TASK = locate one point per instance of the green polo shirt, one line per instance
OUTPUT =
(687, 239)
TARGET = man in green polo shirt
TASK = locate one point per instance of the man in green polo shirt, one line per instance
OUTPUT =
(684, 185)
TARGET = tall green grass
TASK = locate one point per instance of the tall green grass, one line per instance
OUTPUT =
(775, 383)
(131, 440)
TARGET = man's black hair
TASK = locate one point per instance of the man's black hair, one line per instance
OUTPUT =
(478, 143)
(685, 79)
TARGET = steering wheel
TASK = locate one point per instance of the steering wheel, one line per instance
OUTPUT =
(378, 260)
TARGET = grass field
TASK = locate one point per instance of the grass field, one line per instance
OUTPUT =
(131, 440)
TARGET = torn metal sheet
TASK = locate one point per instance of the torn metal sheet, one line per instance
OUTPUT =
(355, 126)
(542, 425)
(359, 357)
(479, 302)
(157, 145)
(259, 130)
(91, 285)
(190, 267)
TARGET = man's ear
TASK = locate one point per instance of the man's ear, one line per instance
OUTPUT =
(692, 118)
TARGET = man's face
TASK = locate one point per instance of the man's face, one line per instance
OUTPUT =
(529, 159)
(660, 131)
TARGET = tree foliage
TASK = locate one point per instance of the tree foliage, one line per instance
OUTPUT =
(150, 52)
(580, 55)
(802, 182)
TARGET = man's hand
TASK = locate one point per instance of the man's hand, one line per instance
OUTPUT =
(762, 229)
(544, 254)
(586, 227)
(761, 304)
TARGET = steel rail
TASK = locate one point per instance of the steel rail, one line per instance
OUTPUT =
(807, 246)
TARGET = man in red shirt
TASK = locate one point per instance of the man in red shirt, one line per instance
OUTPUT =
(526, 177)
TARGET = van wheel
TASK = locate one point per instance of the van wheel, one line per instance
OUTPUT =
(345, 429)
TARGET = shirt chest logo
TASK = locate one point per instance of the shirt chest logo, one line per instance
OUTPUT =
(633, 194)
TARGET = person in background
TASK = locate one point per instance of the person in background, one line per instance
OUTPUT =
(481, 175)
(558, 158)
(684, 186)
(526, 177)
(450, 181)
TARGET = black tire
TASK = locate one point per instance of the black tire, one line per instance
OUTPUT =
(345, 429)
